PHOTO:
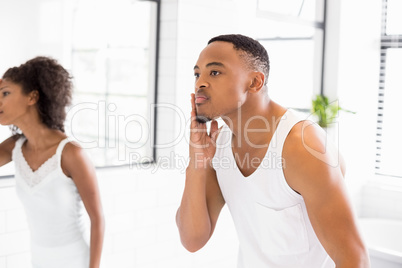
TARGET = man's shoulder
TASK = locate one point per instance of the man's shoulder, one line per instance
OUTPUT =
(305, 136)
(308, 154)
(306, 147)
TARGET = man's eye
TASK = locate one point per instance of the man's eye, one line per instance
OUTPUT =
(214, 73)
(5, 93)
(196, 75)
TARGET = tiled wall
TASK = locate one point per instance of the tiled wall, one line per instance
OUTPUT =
(14, 236)
(140, 207)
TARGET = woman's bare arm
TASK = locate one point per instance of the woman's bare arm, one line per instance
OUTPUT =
(6, 148)
(77, 165)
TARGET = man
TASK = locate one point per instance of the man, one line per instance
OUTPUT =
(283, 185)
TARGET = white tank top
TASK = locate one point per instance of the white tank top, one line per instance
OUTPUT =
(54, 210)
(271, 219)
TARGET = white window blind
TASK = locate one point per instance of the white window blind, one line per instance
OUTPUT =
(388, 136)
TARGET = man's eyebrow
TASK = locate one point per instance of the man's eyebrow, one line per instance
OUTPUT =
(214, 63)
(1, 88)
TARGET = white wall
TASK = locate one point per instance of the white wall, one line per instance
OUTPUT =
(26, 33)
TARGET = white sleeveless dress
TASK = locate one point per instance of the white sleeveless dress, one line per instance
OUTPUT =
(54, 210)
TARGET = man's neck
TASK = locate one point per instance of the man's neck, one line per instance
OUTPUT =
(254, 123)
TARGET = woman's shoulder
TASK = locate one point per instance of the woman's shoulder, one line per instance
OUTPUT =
(73, 153)
(74, 158)
(71, 148)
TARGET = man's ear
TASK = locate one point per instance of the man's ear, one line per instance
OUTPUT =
(33, 97)
(257, 82)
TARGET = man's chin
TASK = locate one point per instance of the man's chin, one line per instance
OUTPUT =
(202, 119)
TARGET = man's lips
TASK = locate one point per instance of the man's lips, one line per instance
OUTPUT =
(200, 99)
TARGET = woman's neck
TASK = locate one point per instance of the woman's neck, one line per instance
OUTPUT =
(39, 135)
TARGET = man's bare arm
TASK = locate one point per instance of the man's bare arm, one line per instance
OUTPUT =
(314, 169)
(199, 209)
(202, 198)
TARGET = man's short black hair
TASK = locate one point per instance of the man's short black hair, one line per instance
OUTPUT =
(255, 54)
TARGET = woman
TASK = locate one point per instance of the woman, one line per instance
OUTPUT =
(54, 177)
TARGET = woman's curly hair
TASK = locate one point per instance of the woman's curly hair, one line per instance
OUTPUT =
(53, 84)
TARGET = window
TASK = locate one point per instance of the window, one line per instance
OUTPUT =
(110, 48)
(389, 143)
(113, 63)
(292, 31)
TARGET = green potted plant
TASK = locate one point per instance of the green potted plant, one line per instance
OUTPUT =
(326, 111)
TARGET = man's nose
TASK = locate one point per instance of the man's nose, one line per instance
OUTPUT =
(201, 83)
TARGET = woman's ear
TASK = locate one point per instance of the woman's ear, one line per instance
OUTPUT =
(33, 97)
(257, 82)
